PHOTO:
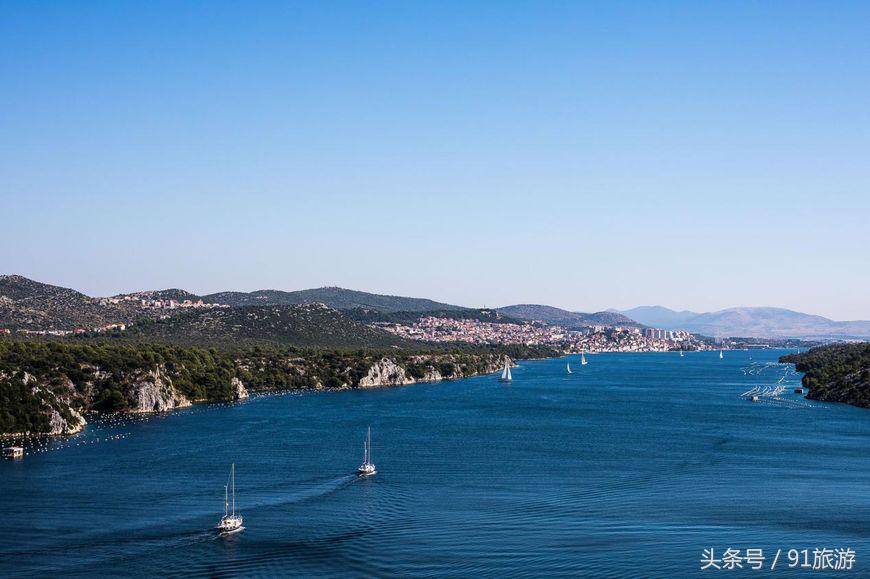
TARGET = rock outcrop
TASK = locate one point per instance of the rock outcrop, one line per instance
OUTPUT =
(432, 375)
(51, 398)
(153, 392)
(58, 425)
(385, 372)
(57, 403)
(239, 390)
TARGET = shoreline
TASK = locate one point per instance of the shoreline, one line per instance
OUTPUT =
(386, 381)
(22, 436)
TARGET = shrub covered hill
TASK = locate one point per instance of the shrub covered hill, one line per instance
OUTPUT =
(311, 325)
(31, 305)
(836, 373)
(26, 304)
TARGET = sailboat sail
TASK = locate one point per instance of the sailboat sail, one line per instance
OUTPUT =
(582, 359)
(231, 522)
(367, 468)
(506, 372)
(568, 364)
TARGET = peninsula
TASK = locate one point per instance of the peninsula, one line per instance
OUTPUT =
(48, 387)
(836, 373)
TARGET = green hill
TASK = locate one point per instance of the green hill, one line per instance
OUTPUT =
(304, 325)
(334, 297)
(49, 386)
(836, 373)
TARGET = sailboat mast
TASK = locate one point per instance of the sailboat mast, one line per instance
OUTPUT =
(226, 501)
(234, 489)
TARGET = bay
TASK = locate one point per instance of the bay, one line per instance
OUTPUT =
(629, 467)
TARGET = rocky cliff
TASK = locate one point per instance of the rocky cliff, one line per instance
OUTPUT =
(152, 391)
(53, 404)
(70, 422)
(389, 372)
(46, 387)
(385, 372)
(239, 390)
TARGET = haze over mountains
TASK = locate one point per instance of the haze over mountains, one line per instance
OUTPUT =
(568, 319)
(760, 322)
(31, 305)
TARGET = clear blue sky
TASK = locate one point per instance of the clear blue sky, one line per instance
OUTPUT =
(586, 155)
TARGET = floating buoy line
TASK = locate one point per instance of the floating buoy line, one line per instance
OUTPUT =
(95, 432)
(772, 395)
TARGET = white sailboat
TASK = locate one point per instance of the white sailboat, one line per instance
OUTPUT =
(582, 358)
(720, 354)
(506, 372)
(681, 353)
(230, 522)
(367, 468)
(568, 366)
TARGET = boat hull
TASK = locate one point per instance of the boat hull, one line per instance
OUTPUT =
(230, 524)
(229, 531)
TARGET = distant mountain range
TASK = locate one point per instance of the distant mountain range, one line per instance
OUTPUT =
(568, 319)
(29, 305)
(750, 322)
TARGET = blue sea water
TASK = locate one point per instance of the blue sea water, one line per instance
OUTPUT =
(629, 467)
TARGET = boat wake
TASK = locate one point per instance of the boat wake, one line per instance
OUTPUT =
(197, 528)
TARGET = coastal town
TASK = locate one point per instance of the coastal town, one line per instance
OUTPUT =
(591, 339)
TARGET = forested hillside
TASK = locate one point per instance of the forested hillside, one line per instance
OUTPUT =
(836, 373)
(305, 325)
(48, 386)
